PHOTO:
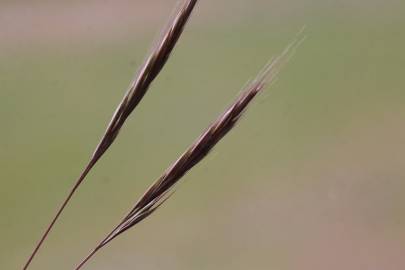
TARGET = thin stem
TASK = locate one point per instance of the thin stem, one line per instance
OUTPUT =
(99, 246)
(88, 257)
(61, 208)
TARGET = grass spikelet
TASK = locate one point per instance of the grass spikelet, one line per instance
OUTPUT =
(146, 74)
(162, 188)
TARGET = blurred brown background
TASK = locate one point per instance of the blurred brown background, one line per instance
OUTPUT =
(311, 179)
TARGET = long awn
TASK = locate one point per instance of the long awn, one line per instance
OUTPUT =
(162, 188)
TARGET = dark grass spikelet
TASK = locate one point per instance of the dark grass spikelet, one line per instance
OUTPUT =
(162, 188)
(146, 74)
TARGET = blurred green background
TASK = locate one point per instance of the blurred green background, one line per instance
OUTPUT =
(312, 178)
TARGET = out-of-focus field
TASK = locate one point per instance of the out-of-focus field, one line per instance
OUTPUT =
(312, 178)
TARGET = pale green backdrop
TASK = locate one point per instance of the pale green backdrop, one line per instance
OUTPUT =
(312, 178)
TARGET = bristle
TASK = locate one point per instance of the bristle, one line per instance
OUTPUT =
(162, 188)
